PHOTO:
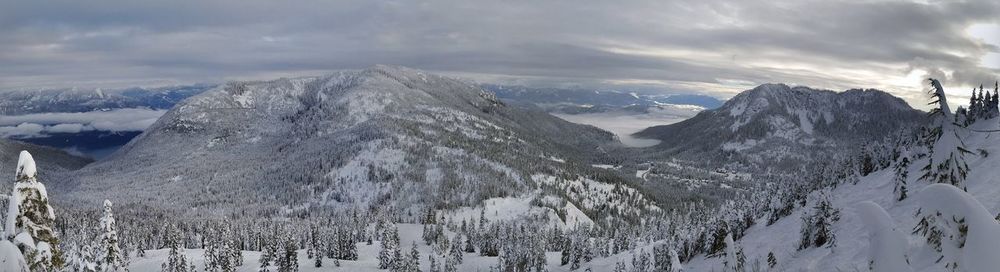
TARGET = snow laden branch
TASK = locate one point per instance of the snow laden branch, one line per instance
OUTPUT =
(960, 228)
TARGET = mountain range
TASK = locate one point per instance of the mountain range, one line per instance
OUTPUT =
(20, 102)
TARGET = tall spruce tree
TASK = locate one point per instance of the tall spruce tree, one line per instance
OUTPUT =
(111, 256)
(387, 256)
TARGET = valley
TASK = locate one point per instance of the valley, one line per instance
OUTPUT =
(500, 136)
(389, 159)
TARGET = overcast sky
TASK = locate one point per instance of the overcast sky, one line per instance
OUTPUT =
(707, 46)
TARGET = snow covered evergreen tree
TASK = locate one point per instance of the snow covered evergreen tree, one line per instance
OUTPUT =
(642, 262)
(946, 163)
(901, 168)
(288, 258)
(817, 223)
(455, 252)
(268, 256)
(34, 218)
(734, 260)
(176, 261)
(110, 257)
(388, 255)
(319, 247)
(412, 262)
(450, 264)
(959, 228)
(221, 253)
(81, 259)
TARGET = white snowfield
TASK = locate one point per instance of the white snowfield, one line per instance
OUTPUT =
(520, 208)
(367, 260)
(864, 232)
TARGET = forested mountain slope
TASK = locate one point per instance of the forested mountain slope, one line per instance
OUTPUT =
(54, 162)
(380, 136)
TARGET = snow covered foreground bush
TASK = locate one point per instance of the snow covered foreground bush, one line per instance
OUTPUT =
(972, 234)
(888, 244)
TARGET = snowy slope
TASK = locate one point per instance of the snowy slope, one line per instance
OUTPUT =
(854, 243)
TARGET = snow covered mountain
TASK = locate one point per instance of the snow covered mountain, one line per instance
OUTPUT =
(383, 135)
(773, 122)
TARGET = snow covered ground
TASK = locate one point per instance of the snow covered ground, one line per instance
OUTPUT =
(520, 208)
(367, 260)
(853, 242)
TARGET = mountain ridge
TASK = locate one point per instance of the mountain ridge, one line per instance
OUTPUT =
(776, 121)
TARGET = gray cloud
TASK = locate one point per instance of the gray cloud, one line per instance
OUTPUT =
(712, 46)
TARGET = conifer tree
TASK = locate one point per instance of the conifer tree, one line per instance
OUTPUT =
(34, 218)
(946, 163)
(469, 247)
(268, 256)
(413, 260)
(318, 247)
(901, 166)
(817, 224)
(176, 261)
(388, 255)
(450, 264)
(288, 260)
(734, 259)
(456, 252)
(972, 113)
(110, 258)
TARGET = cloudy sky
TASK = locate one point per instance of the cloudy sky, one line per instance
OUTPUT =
(707, 46)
